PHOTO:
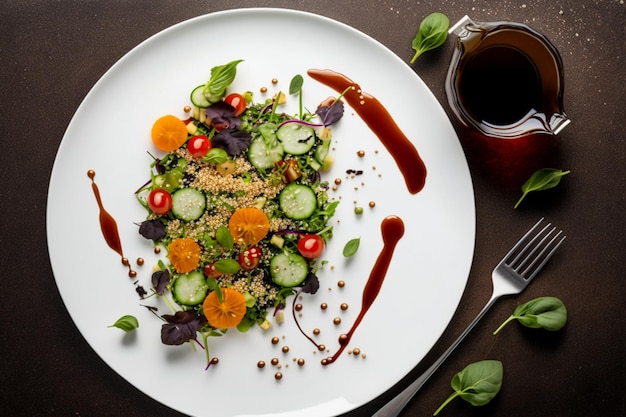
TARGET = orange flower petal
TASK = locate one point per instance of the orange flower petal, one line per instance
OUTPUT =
(248, 225)
(229, 312)
(184, 254)
(169, 133)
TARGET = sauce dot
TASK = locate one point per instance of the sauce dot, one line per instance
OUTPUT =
(263, 89)
(278, 375)
(187, 109)
(316, 331)
(298, 307)
(321, 347)
(132, 273)
(361, 153)
(285, 349)
(344, 306)
(274, 80)
(337, 181)
(157, 250)
(341, 284)
(125, 262)
(324, 361)
(260, 364)
(356, 351)
(275, 340)
(372, 204)
(140, 261)
(214, 361)
(337, 321)
(274, 361)
(300, 362)
(323, 306)
(343, 339)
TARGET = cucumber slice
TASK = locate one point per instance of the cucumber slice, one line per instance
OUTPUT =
(297, 201)
(297, 139)
(190, 289)
(288, 269)
(188, 204)
(198, 98)
(264, 156)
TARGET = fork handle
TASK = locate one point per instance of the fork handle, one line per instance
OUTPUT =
(397, 404)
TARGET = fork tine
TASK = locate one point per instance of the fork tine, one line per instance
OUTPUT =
(543, 256)
(529, 260)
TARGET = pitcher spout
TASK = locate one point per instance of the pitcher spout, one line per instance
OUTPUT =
(558, 123)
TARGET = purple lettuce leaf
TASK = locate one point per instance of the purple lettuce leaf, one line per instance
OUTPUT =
(233, 141)
(330, 114)
(152, 229)
(160, 281)
(222, 116)
(181, 327)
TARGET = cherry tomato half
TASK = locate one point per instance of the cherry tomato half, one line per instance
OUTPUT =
(211, 271)
(311, 246)
(237, 101)
(198, 146)
(250, 258)
(160, 201)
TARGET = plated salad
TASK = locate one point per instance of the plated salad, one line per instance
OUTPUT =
(238, 203)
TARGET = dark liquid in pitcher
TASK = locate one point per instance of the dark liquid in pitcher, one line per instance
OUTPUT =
(499, 85)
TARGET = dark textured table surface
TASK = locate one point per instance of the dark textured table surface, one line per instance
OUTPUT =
(54, 51)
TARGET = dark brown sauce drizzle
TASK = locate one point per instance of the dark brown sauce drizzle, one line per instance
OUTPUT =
(376, 116)
(108, 225)
(392, 229)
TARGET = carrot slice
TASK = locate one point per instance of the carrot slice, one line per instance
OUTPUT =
(225, 314)
(184, 253)
(248, 225)
(169, 133)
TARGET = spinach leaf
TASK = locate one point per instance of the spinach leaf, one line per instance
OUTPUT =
(127, 323)
(544, 312)
(295, 86)
(477, 383)
(221, 77)
(540, 180)
(432, 33)
(351, 247)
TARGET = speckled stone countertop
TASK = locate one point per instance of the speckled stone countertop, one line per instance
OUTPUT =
(54, 51)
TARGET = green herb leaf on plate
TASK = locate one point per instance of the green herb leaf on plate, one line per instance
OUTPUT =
(478, 383)
(432, 33)
(540, 180)
(127, 323)
(544, 312)
(351, 247)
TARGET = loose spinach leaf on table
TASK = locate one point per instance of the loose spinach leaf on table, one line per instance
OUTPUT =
(540, 180)
(477, 383)
(544, 312)
(432, 33)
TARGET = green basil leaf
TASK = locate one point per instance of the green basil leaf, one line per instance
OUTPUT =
(215, 156)
(478, 383)
(351, 247)
(221, 77)
(227, 266)
(432, 33)
(224, 238)
(547, 313)
(127, 323)
(296, 84)
(540, 180)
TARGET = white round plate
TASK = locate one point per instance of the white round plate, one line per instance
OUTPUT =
(110, 134)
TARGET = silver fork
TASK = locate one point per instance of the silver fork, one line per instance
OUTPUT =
(512, 274)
